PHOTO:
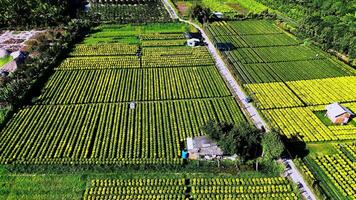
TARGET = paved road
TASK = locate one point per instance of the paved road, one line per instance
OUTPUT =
(291, 170)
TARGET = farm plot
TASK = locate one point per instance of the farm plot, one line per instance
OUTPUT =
(41, 186)
(243, 55)
(304, 124)
(336, 171)
(108, 86)
(136, 189)
(131, 11)
(273, 95)
(105, 50)
(100, 62)
(175, 56)
(229, 42)
(270, 40)
(195, 188)
(254, 27)
(162, 43)
(287, 53)
(109, 133)
(220, 29)
(237, 188)
(325, 91)
(259, 52)
(289, 71)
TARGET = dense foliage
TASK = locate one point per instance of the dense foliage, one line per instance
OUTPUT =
(272, 145)
(37, 13)
(242, 139)
(331, 23)
(131, 11)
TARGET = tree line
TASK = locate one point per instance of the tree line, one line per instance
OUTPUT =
(37, 13)
(330, 23)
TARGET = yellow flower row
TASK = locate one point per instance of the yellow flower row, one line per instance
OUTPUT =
(273, 95)
(325, 91)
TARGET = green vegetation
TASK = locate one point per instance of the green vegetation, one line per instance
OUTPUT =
(323, 118)
(175, 90)
(330, 22)
(332, 165)
(29, 186)
(260, 52)
(241, 139)
(5, 60)
(199, 188)
(37, 13)
(131, 11)
(272, 145)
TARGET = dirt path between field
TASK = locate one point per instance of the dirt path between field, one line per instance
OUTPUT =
(291, 170)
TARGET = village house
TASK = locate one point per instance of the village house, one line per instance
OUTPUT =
(338, 114)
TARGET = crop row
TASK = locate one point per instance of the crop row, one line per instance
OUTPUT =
(244, 56)
(287, 53)
(120, 85)
(325, 91)
(340, 171)
(152, 130)
(254, 27)
(160, 36)
(303, 124)
(259, 52)
(199, 188)
(177, 61)
(99, 62)
(155, 188)
(298, 93)
(104, 50)
(273, 95)
(288, 71)
(158, 43)
(175, 51)
(152, 11)
(270, 40)
(230, 188)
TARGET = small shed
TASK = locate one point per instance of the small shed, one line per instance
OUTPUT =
(338, 114)
(193, 42)
(133, 105)
(3, 53)
(203, 146)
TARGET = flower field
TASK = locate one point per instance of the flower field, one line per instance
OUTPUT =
(301, 122)
(201, 188)
(99, 62)
(150, 132)
(104, 50)
(136, 189)
(83, 114)
(337, 171)
(325, 91)
(120, 85)
(254, 188)
(273, 95)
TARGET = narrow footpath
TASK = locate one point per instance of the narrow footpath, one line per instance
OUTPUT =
(291, 170)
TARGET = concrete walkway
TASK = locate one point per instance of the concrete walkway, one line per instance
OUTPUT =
(291, 170)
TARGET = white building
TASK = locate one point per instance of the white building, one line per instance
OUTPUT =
(193, 42)
(338, 114)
